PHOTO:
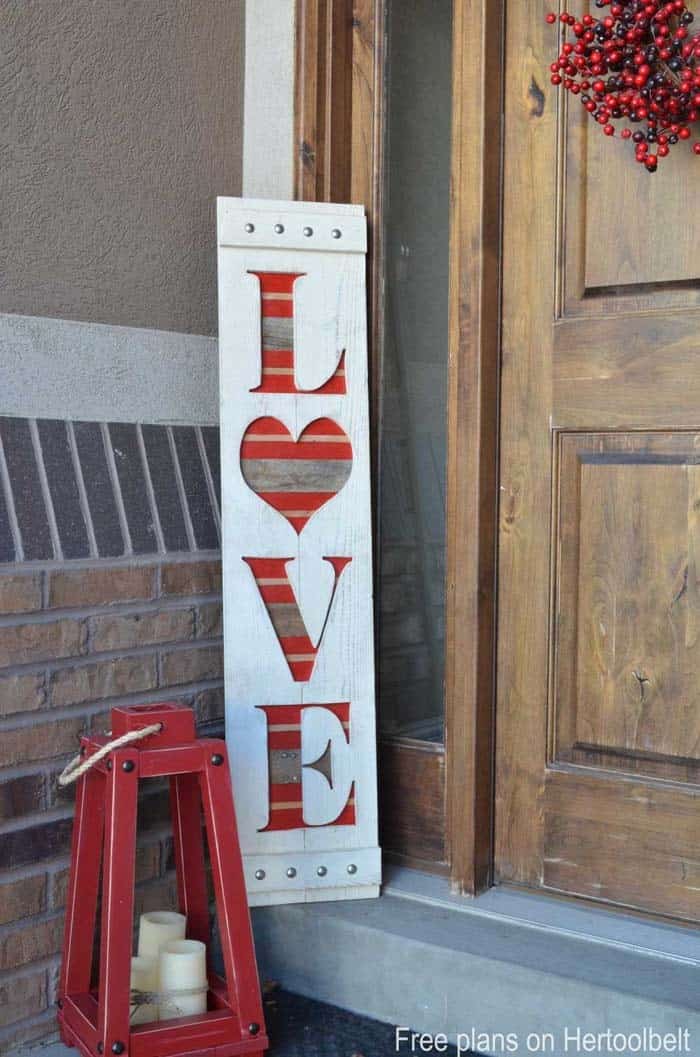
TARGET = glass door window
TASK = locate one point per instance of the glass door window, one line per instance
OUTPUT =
(413, 456)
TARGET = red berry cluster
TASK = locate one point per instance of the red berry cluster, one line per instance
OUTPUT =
(637, 64)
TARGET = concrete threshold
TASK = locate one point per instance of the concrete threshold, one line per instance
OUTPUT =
(517, 972)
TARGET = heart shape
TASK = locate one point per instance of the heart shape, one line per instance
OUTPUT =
(296, 477)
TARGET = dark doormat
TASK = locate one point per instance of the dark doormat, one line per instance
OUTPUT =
(302, 1027)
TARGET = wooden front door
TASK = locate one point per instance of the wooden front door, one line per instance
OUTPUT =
(598, 672)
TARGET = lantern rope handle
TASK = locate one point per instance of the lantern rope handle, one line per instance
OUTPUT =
(78, 766)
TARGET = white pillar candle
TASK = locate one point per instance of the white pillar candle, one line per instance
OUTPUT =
(157, 928)
(182, 967)
(144, 977)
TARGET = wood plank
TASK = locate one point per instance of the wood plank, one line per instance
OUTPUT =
(310, 99)
(412, 802)
(367, 186)
(609, 800)
(634, 763)
(367, 123)
(472, 437)
(324, 100)
(611, 374)
(525, 508)
(591, 859)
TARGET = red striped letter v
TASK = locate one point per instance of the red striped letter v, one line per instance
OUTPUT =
(283, 609)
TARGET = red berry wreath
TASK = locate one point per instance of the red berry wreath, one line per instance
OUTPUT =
(637, 64)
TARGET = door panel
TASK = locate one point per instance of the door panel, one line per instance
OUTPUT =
(627, 627)
(626, 244)
(598, 711)
(620, 252)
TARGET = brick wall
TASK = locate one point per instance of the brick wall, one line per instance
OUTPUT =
(73, 642)
(79, 636)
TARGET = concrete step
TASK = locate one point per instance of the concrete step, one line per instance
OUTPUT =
(508, 964)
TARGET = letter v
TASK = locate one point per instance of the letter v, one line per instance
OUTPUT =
(283, 609)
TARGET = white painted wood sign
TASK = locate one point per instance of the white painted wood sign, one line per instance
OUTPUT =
(298, 623)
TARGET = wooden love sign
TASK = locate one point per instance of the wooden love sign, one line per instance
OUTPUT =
(298, 618)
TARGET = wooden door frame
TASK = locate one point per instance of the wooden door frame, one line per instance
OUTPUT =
(472, 516)
(339, 124)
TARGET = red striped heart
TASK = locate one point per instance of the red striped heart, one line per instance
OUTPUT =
(296, 477)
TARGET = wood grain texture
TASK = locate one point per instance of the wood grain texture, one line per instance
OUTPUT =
(412, 802)
(597, 722)
(613, 267)
(627, 648)
(610, 373)
(472, 437)
(309, 101)
(525, 481)
(657, 250)
(296, 476)
(367, 186)
(324, 100)
(624, 842)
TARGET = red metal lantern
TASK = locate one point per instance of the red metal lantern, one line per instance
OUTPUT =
(96, 1020)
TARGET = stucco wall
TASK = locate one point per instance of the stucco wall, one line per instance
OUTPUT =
(120, 121)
